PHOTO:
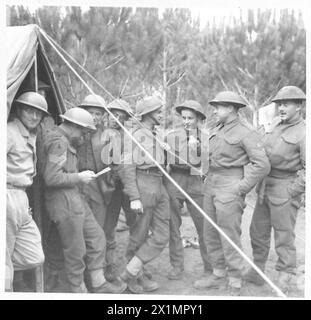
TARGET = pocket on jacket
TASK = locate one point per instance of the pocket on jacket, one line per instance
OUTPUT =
(277, 201)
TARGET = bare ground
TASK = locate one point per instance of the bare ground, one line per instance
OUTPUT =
(194, 266)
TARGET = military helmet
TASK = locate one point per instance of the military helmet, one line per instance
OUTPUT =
(147, 105)
(192, 105)
(33, 99)
(119, 104)
(229, 97)
(93, 100)
(80, 117)
(289, 93)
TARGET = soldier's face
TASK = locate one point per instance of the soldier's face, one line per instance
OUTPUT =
(97, 115)
(222, 112)
(120, 115)
(190, 119)
(288, 110)
(157, 116)
(29, 116)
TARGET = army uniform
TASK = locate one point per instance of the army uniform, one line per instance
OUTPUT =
(143, 183)
(89, 158)
(232, 146)
(143, 180)
(82, 238)
(114, 195)
(280, 195)
(192, 183)
(23, 239)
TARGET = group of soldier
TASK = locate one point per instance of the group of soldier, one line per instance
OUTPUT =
(84, 206)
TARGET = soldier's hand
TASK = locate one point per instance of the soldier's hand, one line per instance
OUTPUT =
(165, 146)
(86, 176)
(192, 140)
(137, 206)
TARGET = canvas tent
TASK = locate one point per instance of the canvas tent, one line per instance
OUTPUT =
(26, 62)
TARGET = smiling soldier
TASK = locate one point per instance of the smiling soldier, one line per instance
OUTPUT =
(280, 192)
(233, 145)
(23, 239)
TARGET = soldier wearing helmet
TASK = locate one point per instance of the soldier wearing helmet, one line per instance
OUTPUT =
(82, 238)
(192, 147)
(115, 198)
(89, 157)
(142, 181)
(23, 240)
(232, 146)
(280, 192)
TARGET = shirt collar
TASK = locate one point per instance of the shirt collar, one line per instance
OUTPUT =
(23, 130)
(231, 124)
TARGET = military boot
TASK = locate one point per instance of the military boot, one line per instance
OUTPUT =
(109, 287)
(284, 279)
(131, 282)
(147, 284)
(211, 282)
(111, 273)
(253, 277)
(175, 273)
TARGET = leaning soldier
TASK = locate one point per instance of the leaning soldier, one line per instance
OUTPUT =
(115, 198)
(280, 192)
(143, 183)
(190, 144)
(232, 146)
(83, 240)
(23, 239)
(89, 157)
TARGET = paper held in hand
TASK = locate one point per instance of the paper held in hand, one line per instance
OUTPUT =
(102, 172)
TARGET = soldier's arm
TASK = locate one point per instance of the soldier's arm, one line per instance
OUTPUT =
(10, 140)
(127, 171)
(54, 173)
(298, 186)
(259, 163)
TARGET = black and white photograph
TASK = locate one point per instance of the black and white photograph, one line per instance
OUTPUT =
(155, 150)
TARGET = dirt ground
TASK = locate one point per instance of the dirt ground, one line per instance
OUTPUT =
(194, 266)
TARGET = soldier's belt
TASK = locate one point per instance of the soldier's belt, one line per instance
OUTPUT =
(13, 186)
(152, 171)
(233, 171)
(180, 169)
(281, 174)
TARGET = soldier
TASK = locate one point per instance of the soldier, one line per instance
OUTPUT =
(23, 239)
(82, 238)
(233, 145)
(191, 140)
(280, 192)
(143, 183)
(113, 139)
(89, 157)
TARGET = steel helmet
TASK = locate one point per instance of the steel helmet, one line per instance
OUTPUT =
(33, 99)
(119, 104)
(80, 117)
(289, 93)
(93, 100)
(147, 105)
(229, 97)
(192, 105)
